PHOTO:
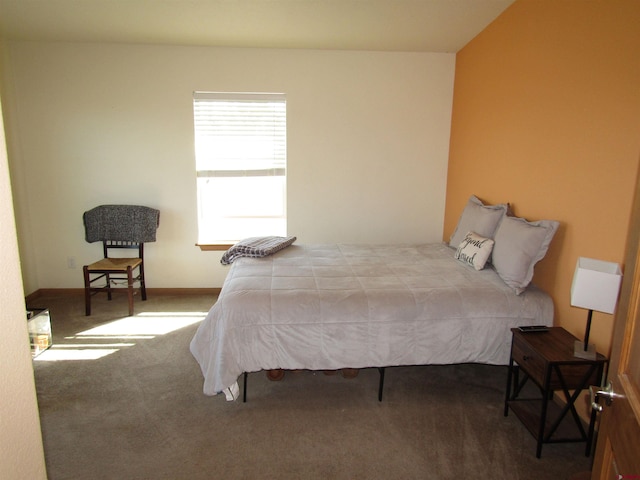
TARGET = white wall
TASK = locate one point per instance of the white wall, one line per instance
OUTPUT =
(368, 138)
(21, 451)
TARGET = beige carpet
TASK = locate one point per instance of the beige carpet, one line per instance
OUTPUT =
(121, 398)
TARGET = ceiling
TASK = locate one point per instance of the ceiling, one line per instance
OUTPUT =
(382, 25)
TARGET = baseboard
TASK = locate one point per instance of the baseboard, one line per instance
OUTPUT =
(184, 291)
(43, 292)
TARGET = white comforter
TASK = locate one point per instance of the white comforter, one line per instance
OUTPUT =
(325, 307)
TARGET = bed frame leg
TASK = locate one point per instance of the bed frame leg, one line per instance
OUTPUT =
(244, 388)
(381, 385)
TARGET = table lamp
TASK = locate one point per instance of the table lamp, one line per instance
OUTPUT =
(595, 287)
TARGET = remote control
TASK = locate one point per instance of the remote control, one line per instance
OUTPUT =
(533, 328)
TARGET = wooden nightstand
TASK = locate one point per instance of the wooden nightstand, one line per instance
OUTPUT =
(546, 358)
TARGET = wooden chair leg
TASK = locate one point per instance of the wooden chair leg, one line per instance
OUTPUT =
(130, 289)
(143, 287)
(87, 291)
(108, 286)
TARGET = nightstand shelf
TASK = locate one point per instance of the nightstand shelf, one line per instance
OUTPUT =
(546, 358)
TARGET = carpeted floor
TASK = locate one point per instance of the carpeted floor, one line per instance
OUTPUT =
(121, 398)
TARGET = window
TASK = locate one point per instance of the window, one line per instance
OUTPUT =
(241, 161)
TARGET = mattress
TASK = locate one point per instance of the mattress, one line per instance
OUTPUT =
(326, 307)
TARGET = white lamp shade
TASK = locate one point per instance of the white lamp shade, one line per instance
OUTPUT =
(596, 285)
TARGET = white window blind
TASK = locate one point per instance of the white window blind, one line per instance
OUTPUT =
(240, 144)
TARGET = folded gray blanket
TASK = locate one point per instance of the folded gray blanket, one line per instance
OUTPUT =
(256, 247)
(128, 223)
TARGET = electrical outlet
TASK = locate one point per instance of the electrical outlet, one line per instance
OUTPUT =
(71, 262)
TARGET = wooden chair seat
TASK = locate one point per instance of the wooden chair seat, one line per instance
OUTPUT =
(114, 265)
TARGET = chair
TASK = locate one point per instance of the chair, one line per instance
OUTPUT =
(118, 227)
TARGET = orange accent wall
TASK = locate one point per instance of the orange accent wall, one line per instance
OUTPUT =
(546, 116)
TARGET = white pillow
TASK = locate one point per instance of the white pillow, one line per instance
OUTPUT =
(474, 250)
(479, 218)
(519, 245)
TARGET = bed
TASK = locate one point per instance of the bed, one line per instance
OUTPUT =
(328, 307)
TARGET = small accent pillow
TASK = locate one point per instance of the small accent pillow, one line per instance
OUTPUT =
(474, 250)
(519, 245)
(479, 218)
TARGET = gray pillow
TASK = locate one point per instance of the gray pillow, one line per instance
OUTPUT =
(479, 218)
(519, 245)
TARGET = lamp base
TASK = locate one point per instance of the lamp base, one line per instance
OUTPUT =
(580, 352)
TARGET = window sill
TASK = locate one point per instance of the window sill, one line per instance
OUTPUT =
(209, 247)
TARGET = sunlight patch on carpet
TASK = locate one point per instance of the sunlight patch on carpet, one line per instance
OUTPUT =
(143, 326)
(62, 352)
(146, 325)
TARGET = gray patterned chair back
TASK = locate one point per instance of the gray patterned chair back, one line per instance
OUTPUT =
(126, 223)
